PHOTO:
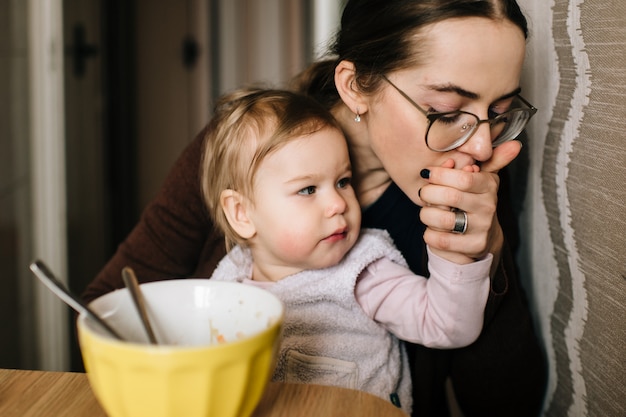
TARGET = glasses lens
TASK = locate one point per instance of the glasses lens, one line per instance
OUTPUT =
(451, 130)
(509, 125)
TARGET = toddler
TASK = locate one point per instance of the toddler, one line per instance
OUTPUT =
(276, 178)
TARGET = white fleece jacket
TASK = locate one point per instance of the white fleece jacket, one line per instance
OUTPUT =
(331, 337)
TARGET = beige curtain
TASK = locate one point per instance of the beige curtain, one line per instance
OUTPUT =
(258, 42)
(573, 211)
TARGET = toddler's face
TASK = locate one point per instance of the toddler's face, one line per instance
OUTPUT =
(305, 210)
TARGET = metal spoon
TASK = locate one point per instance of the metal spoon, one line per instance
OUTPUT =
(133, 286)
(57, 287)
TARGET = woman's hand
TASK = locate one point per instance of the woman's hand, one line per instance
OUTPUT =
(473, 190)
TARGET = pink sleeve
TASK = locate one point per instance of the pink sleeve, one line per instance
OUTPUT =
(444, 311)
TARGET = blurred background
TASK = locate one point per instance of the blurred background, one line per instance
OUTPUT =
(97, 99)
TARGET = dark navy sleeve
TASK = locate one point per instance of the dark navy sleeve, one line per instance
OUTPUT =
(397, 214)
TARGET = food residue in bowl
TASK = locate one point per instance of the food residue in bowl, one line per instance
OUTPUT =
(218, 338)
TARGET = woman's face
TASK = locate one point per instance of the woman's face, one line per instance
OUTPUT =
(468, 64)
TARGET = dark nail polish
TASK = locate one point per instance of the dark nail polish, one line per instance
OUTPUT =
(419, 193)
(425, 173)
(395, 399)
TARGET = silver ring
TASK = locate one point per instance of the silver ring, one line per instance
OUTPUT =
(460, 222)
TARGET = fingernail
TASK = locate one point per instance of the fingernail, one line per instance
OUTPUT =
(425, 173)
(419, 193)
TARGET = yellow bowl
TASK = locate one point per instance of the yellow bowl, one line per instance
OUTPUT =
(216, 352)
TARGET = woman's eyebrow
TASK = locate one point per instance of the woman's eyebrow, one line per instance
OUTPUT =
(451, 88)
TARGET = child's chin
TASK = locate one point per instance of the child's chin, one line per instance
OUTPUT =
(334, 259)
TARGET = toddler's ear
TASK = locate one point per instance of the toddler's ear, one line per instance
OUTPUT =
(235, 208)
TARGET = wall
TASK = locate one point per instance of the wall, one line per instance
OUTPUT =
(240, 42)
(16, 318)
(573, 222)
(172, 98)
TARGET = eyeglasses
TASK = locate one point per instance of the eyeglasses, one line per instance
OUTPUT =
(449, 130)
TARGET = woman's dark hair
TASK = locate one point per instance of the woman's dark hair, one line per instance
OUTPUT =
(378, 36)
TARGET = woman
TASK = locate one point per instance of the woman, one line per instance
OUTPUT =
(427, 178)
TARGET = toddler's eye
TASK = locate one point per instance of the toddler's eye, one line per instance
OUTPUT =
(307, 190)
(344, 182)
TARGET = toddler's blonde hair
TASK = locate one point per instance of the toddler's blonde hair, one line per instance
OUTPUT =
(247, 126)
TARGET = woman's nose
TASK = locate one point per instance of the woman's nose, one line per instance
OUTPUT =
(479, 146)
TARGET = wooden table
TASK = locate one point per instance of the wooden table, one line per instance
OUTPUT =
(67, 394)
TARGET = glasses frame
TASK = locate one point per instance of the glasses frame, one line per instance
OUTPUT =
(433, 116)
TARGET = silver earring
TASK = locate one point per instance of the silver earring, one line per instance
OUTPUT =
(357, 118)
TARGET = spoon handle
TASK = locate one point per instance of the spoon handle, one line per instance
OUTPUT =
(58, 288)
(133, 286)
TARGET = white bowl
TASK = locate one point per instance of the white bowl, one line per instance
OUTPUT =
(216, 352)
(190, 312)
